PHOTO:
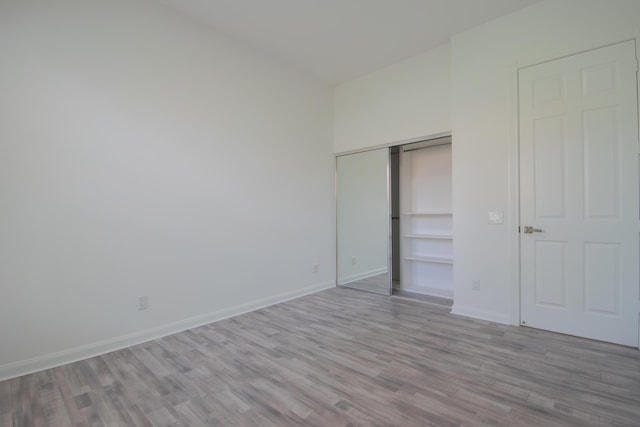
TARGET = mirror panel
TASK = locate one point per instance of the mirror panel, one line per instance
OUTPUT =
(363, 221)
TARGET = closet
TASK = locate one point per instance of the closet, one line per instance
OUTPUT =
(425, 237)
(394, 219)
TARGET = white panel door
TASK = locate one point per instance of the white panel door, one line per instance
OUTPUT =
(579, 193)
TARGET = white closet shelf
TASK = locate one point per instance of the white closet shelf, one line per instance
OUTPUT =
(430, 236)
(429, 213)
(433, 259)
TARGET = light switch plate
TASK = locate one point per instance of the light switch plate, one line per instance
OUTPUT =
(496, 217)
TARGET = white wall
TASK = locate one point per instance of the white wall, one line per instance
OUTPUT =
(406, 100)
(484, 66)
(143, 154)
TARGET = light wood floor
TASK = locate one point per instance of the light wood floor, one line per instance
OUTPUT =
(340, 358)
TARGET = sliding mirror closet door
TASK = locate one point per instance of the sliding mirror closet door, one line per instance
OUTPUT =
(363, 221)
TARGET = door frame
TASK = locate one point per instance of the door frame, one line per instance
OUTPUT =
(513, 223)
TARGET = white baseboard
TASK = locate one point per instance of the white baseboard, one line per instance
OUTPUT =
(475, 313)
(361, 276)
(433, 292)
(71, 355)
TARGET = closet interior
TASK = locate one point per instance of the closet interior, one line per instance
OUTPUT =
(425, 235)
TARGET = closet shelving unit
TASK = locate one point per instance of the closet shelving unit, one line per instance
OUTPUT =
(426, 221)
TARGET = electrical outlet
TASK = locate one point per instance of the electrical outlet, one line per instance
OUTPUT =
(143, 302)
(315, 268)
(475, 285)
(354, 260)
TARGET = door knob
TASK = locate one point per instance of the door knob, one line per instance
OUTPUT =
(530, 230)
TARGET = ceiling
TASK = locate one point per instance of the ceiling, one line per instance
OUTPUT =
(337, 40)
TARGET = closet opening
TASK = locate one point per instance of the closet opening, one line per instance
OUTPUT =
(422, 220)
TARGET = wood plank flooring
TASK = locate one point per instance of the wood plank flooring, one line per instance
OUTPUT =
(340, 358)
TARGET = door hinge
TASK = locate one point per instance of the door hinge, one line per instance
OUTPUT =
(518, 229)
